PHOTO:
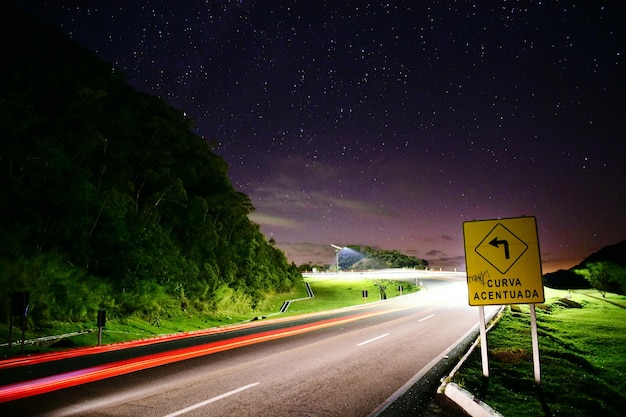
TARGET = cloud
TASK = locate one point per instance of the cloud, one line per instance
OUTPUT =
(301, 253)
(267, 220)
(281, 200)
(455, 263)
(361, 207)
(411, 252)
(445, 238)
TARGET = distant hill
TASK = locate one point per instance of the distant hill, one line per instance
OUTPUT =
(568, 279)
(613, 253)
(368, 258)
(357, 257)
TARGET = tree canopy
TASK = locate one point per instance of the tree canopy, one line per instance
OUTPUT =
(356, 257)
(109, 190)
(605, 270)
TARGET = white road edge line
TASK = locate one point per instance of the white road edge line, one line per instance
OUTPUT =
(427, 317)
(211, 400)
(371, 340)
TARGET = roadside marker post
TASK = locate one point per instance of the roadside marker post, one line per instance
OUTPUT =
(101, 323)
(20, 303)
(503, 267)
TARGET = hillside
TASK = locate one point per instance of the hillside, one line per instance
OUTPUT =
(357, 257)
(108, 199)
(612, 255)
(377, 259)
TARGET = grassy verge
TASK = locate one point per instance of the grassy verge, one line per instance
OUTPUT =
(582, 339)
(329, 293)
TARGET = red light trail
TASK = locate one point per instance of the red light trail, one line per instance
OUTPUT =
(39, 386)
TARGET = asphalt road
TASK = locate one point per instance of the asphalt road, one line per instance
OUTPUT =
(347, 363)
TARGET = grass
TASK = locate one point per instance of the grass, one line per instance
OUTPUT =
(329, 293)
(582, 339)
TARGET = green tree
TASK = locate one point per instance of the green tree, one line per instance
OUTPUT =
(605, 276)
(114, 185)
(382, 288)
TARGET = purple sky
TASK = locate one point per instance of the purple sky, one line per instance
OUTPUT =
(390, 124)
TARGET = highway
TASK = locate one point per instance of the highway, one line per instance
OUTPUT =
(341, 363)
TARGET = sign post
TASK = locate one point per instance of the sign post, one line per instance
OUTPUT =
(504, 267)
(533, 327)
(483, 341)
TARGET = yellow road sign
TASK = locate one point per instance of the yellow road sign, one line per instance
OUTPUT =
(503, 262)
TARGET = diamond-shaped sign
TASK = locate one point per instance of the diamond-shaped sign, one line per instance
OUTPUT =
(501, 248)
(503, 261)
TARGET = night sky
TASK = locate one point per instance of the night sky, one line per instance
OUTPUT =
(389, 124)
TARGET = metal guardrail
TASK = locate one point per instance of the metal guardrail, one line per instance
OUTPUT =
(309, 291)
(47, 338)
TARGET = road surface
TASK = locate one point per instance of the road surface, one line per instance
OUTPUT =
(344, 363)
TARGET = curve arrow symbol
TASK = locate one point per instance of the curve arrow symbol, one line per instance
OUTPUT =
(495, 242)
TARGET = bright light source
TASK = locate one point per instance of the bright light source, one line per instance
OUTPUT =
(337, 250)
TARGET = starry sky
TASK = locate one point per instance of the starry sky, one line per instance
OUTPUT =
(389, 124)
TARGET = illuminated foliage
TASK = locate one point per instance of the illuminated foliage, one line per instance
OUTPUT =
(115, 184)
(605, 276)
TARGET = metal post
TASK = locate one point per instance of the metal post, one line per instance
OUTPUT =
(535, 341)
(10, 330)
(483, 341)
(23, 331)
(101, 324)
(337, 250)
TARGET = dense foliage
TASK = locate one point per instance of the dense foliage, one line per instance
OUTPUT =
(392, 259)
(606, 269)
(565, 279)
(356, 257)
(605, 276)
(108, 199)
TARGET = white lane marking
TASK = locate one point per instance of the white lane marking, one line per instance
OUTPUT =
(427, 317)
(371, 340)
(211, 400)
